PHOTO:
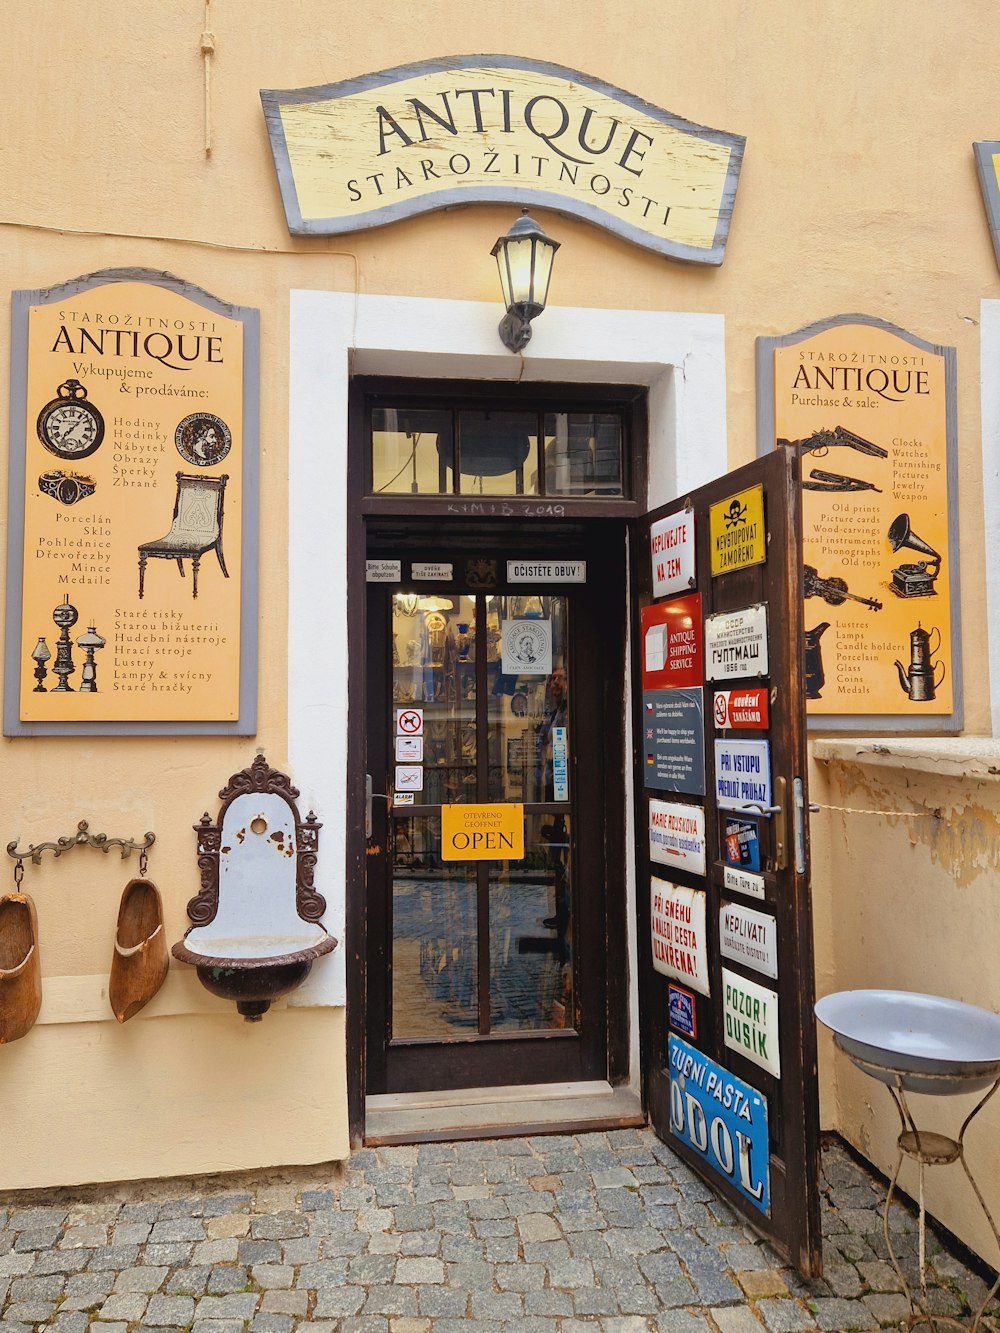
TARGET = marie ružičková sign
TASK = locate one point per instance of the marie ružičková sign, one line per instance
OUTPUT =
(134, 446)
(498, 129)
(871, 411)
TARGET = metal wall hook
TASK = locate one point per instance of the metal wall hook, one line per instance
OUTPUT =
(82, 837)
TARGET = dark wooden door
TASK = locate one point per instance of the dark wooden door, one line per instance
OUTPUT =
(725, 940)
(492, 972)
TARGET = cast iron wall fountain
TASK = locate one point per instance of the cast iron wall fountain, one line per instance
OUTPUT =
(256, 931)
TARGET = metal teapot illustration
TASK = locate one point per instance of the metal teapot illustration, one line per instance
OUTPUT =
(921, 682)
(815, 675)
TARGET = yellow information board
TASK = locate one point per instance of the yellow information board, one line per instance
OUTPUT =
(868, 408)
(495, 129)
(482, 832)
(134, 451)
(736, 531)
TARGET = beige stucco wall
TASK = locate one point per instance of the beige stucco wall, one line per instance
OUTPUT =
(858, 194)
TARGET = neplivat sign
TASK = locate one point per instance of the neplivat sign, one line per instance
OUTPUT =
(501, 129)
(722, 1118)
(749, 937)
(677, 836)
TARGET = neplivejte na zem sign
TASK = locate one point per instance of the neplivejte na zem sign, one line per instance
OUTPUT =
(501, 129)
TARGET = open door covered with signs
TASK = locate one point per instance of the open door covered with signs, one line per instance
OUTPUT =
(725, 938)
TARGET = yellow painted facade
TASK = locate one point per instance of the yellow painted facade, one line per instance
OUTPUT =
(126, 146)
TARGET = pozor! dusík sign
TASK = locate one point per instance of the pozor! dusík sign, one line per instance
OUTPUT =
(501, 129)
(132, 507)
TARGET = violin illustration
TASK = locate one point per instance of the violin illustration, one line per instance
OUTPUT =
(833, 590)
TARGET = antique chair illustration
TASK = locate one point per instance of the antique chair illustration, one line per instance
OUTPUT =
(196, 528)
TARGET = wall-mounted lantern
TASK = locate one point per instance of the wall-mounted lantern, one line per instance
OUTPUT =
(524, 258)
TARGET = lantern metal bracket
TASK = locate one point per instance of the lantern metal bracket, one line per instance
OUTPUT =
(515, 331)
(81, 838)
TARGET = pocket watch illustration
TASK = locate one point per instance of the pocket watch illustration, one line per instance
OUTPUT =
(69, 425)
(202, 439)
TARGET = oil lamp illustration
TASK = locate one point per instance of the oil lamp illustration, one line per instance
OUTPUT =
(91, 642)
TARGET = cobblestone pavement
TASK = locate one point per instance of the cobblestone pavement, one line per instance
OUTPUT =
(538, 1235)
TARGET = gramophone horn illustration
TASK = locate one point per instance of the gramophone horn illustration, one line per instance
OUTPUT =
(913, 580)
(921, 682)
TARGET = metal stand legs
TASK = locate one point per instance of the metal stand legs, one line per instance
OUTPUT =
(929, 1149)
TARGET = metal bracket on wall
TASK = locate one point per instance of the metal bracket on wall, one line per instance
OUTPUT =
(82, 837)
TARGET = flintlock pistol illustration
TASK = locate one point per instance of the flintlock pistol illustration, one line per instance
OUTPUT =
(833, 590)
(821, 441)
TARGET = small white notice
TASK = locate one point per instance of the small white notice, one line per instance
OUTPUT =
(382, 571)
(736, 643)
(426, 570)
(742, 881)
(677, 835)
(546, 571)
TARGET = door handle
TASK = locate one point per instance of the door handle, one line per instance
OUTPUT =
(779, 820)
(370, 796)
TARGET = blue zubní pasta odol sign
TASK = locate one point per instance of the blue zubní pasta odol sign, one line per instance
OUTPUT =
(722, 1119)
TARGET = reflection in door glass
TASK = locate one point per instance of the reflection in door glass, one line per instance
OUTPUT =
(529, 713)
(434, 668)
(434, 950)
(531, 920)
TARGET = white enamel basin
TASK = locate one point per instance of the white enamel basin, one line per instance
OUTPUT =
(955, 1046)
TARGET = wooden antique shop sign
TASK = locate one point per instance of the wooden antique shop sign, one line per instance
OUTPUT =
(500, 129)
(131, 594)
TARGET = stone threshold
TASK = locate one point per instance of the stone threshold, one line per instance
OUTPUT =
(475, 1113)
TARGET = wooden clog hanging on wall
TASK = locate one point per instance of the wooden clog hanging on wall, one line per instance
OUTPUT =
(139, 963)
(20, 968)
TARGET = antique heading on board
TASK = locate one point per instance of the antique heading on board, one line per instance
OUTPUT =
(871, 410)
(132, 560)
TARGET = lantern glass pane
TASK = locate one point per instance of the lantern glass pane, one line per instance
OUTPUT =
(519, 258)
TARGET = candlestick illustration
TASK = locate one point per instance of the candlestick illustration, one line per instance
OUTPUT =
(65, 617)
(91, 642)
(40, 655)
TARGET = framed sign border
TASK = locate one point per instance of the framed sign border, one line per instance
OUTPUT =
(944, 723)
(985, 150)
(273, 99)
(21, 302)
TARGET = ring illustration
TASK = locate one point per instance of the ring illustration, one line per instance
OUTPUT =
(66, 487)
(202, 439)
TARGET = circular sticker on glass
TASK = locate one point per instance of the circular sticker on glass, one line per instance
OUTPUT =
(203, 440)
(527, 648)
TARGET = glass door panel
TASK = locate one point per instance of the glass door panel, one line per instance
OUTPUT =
(484, 947)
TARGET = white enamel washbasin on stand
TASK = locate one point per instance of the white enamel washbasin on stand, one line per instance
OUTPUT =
(928, 1045)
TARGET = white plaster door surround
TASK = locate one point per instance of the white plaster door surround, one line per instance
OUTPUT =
(679, 357)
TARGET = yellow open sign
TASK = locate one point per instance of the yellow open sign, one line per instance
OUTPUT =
(482, 832)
